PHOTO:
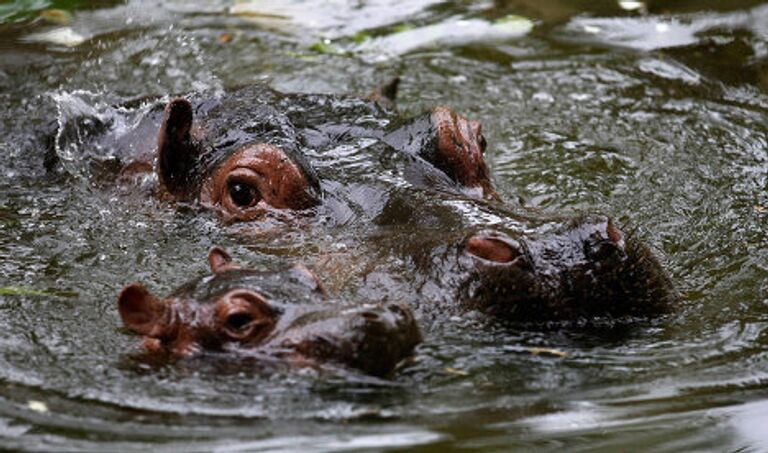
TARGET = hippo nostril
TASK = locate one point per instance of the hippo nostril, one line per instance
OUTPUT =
(493, 249)
(370, 315)
(605, 242)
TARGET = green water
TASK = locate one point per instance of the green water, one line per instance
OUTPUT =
(655, 114)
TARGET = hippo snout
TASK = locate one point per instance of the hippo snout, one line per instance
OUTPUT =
(604, 241)
(391, 317)
(584, 269)
(389, 333)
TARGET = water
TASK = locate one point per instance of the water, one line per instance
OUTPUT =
(654, 114)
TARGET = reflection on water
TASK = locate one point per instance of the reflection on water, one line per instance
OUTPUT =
(653, 113)
(749, 422)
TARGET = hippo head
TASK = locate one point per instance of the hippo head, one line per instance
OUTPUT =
(283, 315)
(240, 171)
(584, 269)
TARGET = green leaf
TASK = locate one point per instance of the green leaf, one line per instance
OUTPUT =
(402, 27)
(511, 18)
(302, 56)
(360, 37)
(326, 48)
(27, 291)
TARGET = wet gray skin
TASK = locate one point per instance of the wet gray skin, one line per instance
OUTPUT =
(282, 315)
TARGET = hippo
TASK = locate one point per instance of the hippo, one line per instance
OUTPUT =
(243, 153)
(583, 268)
(525, 267)
(282, 314)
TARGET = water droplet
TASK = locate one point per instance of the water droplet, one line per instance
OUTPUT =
(37, 406)
(543, 96)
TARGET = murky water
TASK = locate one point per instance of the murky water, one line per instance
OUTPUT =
(655, 114)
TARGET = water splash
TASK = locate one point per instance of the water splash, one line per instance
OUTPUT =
(80, 116)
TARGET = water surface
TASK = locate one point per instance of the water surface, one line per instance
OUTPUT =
(653, 113)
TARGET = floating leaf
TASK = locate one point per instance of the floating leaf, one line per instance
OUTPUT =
(548, 352)
(26, 291)
(511, 18)
(56, 16)
(337, 19)
(327, 48)
(455, 371)
(361, 37)
(451, 33)
(302, 56)
(64, 36)
(247, 9)
(640, 33)
(37, 406)
(631, 5)
(402, 28)
(21, 291)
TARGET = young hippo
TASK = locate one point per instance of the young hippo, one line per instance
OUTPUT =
(525, 267)
(241, 156)
(283, 315)
(244, 153)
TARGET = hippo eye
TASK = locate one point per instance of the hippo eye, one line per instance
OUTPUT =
(239, 322)
(242, 194)
(244, 316)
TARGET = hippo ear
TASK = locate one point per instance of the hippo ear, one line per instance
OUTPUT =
(220, 261)
(386, 93)
(142, 312)
(177, 152)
